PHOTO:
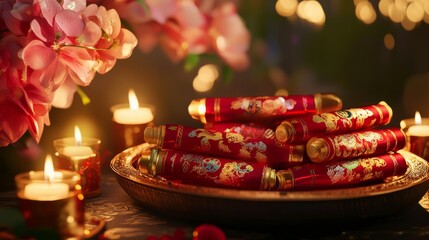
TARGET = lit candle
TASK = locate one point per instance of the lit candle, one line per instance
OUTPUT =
(418, 137)
(51, 201)
(134, 114)
(49, 189)
(81, 155)
(78, 150)
(129, 122)
(418, 129)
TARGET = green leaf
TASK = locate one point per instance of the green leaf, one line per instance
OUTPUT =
(85, 99)
(144, 6)
(191, 62)
(227, 74)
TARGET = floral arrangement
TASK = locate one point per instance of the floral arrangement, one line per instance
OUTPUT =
(49, 48)
(187, 28)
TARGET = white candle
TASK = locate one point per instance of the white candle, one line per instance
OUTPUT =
(419, 130)
(134, 114)
(47, 190)
(77, 150)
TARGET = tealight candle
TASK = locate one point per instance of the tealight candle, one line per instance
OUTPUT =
(52, 201)
(129, 122)
(418, 135)
(49, 190)
(419, 130)
(81, 155)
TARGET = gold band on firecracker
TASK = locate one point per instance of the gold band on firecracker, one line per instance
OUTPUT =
(285, 179)
(155, 135)
(149, 161)
(299, 130)
(269, 179)
(197, 109)
(356, 144)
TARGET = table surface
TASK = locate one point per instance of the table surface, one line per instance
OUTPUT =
(126, 219)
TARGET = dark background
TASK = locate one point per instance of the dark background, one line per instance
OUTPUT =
(344, 56)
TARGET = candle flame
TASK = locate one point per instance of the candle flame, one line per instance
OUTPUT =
(77, 135)
(132, 98)
(49, 168)
(418, 118)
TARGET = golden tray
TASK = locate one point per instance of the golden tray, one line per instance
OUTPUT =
(230, 206)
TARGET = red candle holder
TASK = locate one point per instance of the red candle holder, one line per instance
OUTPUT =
(130, 131)
(53, 206)
(83, 158)
(418, 145)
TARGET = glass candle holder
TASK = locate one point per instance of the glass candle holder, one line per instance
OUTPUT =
(417, 136)
(129, 125)
(52, 208)
(83, 158)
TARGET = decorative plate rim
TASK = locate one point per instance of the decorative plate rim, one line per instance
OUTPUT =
(417, 173)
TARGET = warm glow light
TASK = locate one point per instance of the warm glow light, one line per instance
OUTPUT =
(286, 8)
(365, 12)
(389, 41)
(315, 13)
(407, 24)
(49, 168)
(205, 79)
(383, 6)
(208, 72)
(201, 85)
(282, 92)
(132, 98)
(77, 135)
(415, 11)
(221, 43)
(396, 13)
(417, 118)
(301, 10)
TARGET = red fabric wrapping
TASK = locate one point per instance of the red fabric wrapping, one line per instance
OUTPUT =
(338, 122)
(346, 173)
(209, 171)
(232, 145)
(360, 144)
(258, 109)
(247, 130)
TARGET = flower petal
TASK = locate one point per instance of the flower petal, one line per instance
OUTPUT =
(37, 55)
(49, 9)
(161, 10)
(42, 30)
(74, 5)
(70, 22)
(91, 35)
(126, 42)
(80, 63)
(13, 123)
(63, 96)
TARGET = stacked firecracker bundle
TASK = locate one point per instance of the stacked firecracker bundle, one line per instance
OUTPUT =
(298, 142)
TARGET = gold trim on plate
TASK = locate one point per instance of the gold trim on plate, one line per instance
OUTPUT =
(246, 206)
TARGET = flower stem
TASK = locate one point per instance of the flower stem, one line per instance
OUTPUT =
(85, 99)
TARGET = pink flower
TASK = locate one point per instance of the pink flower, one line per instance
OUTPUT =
(183, 27)
(230, 37)
(47, 49)
(24, 105)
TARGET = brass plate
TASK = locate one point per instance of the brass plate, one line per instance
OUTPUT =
(192, 202)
